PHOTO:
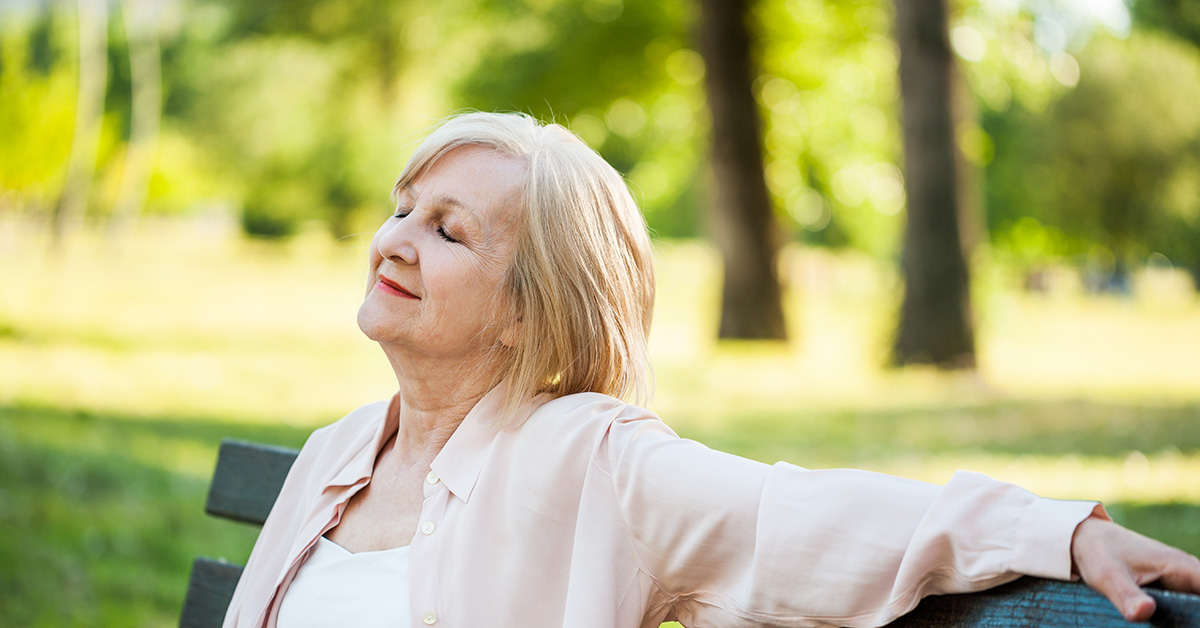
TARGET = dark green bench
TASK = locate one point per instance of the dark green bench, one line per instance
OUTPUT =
(244, 487)
(248, 478)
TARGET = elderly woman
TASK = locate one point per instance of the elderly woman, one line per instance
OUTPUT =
(506, 484)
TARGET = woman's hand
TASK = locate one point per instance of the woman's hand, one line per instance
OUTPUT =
(1116, 562)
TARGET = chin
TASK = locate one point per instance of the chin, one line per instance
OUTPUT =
(372, 325)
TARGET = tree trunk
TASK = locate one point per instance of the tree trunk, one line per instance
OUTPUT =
(744, 225)
(935, 317)
(93, 75)
(145, 77)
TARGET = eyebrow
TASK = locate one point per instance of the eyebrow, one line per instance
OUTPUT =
(441, 200)
(449, 200)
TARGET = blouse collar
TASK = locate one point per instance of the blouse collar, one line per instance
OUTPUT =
(458, 464)
(463, 456)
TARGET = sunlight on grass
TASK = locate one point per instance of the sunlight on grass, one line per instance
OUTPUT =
(1102, 347)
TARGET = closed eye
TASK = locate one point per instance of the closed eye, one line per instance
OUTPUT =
(403, 213)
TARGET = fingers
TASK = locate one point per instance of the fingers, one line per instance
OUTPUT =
(1182, 573)
(1139, 610)
(1136, 607)
(1179, 571)
(1117, 583)
(1115, 562)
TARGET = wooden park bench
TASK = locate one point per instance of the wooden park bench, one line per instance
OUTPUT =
(248, 478)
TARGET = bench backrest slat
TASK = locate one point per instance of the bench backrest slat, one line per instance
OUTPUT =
(244, 487)
(247, 480)
(210, 588)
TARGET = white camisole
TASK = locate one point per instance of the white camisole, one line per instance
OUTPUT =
(335, 587)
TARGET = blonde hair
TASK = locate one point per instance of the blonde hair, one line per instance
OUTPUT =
(582, 278)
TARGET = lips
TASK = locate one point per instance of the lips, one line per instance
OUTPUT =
(387, 285)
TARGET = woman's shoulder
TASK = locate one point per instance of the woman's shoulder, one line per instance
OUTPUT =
(578, 404)
(587, 406)
(592, 414)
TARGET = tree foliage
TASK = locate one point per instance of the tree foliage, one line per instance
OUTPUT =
(1113, 163)
(623, 75)
(829, 98)
(1178, 17)
(37, 89)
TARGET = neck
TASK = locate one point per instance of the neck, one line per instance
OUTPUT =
(435, 397)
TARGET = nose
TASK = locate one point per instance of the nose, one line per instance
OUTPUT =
(396, 241)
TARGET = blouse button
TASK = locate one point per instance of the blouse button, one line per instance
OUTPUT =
(432, 478)
(427, 528)
(429, 618)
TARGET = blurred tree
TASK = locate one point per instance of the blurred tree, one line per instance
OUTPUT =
(744, 223)
(1178, 17)
(1182, 19)
(620, 74)
(303, 104)
(93, 73)
(141, 28)
(37, 109)
(1013, 81)
(828, 99)
(935, 315)
(1114, 162)
(374, 28)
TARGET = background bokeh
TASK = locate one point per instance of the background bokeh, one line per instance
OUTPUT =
(187, 188)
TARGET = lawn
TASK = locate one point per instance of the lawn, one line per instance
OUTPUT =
(122, 367)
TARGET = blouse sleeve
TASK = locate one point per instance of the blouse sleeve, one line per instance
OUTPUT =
(732, 542)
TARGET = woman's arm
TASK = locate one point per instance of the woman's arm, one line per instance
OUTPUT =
(724, 536)
(1116, 562)
(728, 541)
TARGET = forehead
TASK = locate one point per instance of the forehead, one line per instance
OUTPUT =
(477, 180)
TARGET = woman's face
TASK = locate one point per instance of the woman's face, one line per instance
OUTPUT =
(436, 285)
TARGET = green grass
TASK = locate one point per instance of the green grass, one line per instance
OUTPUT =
(121, 370)
(105, 514)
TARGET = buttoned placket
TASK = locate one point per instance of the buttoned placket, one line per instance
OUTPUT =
(424, 599)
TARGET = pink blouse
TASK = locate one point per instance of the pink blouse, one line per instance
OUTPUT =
(592, 513)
